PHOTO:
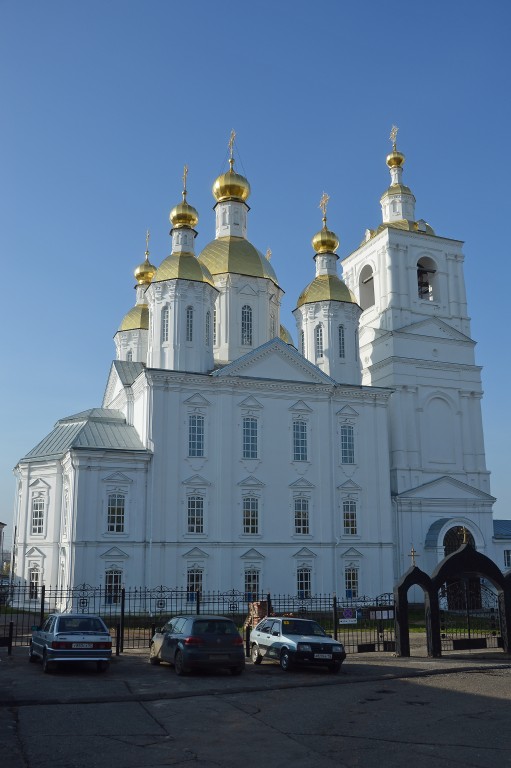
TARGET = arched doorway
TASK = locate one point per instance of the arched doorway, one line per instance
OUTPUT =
(460, 596)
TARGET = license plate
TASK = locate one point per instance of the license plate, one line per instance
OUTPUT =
(82, 645)
(322, 655)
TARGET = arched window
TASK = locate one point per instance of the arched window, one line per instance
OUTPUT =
(318, 341)
(193, 582)
(302, 515)
(165, 324)
(299, 440)
(250, 514)
(246, 325)
(341, 341)
(349, 517)
(33, 583)
(207, 329)
(129, 356)
(113, 586)
(214, 328)
(302, 342)
(251, 584)
(303, 582)
(426, 269)
(115, 512)
(195, 514)
(366, 287)
(37, 515)
(189, 323)
(351, 581)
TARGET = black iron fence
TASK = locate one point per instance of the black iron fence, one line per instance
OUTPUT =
(362, 624)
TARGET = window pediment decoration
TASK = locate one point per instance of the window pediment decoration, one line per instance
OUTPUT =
(252, 554)
(39, 485)
(305, 552)
(351, 552)
(251, 482)
(196, 400)
(302, 482)
(300, 407)
(250, 403)
(195, 552)
(347, 413)
(34, 552)
(114, 553)
(117, 477)
(349, 487)
(247, 290)
(196, 481)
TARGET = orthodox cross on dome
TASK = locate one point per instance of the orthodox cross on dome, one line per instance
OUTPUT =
(393, 136)
(147, 236)
(231, 147)
(413, 554)
(268, 254)
(323, 205)
(184, 177)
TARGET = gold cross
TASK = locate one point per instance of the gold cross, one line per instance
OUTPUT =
(231, 143)
(268, 254)
(323, 203)
(413, 554)
(465, 536)
(184, 177)
(147, 236)
(393, 135)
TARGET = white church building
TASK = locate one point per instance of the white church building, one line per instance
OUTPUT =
(222, 457)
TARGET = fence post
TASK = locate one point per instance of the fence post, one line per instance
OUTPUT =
(117, 639)
(269, 608)
(123, 607)
(197, 601)
(41, 611)
(11, 633)
(247, 640)
(334, 608)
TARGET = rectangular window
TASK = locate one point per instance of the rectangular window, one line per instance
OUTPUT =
(189, 323)
(341, 341)
(165, 324)
(195, 435)
(349, 514)
(507, 558)
(33, 584)
(250, 514)
(37, 515)
(299, 440)
(303, 582)
(351, 582)
(347, 445)
(207, 329)
(318, 341)
(115, 515)
(214, 327)
(246, 325)
(302, 515)
(249, 437)
(193, 583)
(113, 587)
(251, 584)
(195, 514)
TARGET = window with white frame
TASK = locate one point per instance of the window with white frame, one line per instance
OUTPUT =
(251, 514)
(195, 435)
(207, 329)
(214, 327)
(272, 327)
(246, 325)
(165, 324)
(356, 344)
(113, 586)
(341, 341)
(349, 517)
(303, 581)
(302, 515)
(251, 584)
(116, 512)
(193, 582)
(189, 323)
(507, 558)
(302, 342)
(318, 341)
(33, 583)
(37, 515)
(299, 440)
(195, 514)
(249, 437)
(347, 444)
(129, 356)
(351, 581)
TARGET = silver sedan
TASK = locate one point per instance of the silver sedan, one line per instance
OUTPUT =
(71, 637)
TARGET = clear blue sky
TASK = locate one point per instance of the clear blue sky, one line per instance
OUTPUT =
(104, 102)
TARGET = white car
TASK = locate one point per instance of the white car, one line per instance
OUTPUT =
(71, 637)
(291, 641)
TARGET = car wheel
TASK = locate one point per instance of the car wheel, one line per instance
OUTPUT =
(236, 670)
(102, 666)
(335, 667)
(47, 665)
(285, 661)
(255, 655)
(179, 665)
(31, 655)
(153, 657)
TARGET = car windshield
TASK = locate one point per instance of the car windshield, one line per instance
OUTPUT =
(78, 624)
(215, 627)
(301, 627)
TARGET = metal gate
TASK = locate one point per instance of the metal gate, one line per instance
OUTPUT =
(469, 616)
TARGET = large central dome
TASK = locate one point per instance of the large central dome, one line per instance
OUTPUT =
(236, 255)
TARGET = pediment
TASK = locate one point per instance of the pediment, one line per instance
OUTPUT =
(252, 554)
(196, 480)
(251, 482)
(301, 407)
(250, 402)
(446, 488)
(347, 411)
(349, 485)
(195, 552)
(302, 482)
(351, 552)
(247, 290)
(39, 484)
(121, 377)
(277, 361)
(114, 553)
(34, 552)
(304, 552)
(196, 400)
(433, 328)
(117, 477)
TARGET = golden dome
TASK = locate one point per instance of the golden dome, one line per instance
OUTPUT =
(182, 266)
(137, 318)
(231, 186)
(145, 271)
(286, 336)
(184, 215)
(237, 256)
(326, 288)
(398, 189)
(395, 159)
(325, 241)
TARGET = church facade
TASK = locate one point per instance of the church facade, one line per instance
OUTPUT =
(223, 457)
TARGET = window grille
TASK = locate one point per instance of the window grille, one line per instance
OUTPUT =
(195, 435)
(115, 515)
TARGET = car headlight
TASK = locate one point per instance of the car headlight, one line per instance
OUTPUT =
(337, 649)
(304, 647)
